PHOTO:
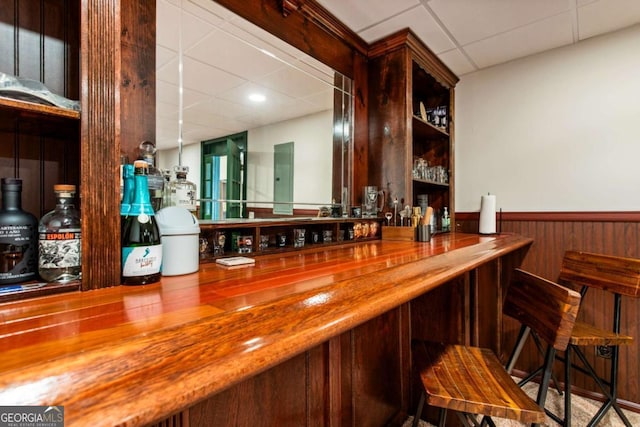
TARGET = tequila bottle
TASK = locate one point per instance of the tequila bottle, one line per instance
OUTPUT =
(59, 243)
(183, 192)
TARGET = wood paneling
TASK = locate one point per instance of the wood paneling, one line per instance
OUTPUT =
(609, 233)
(39, 40)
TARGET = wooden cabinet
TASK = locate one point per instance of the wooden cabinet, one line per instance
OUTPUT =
(102, 53)
(411, 123)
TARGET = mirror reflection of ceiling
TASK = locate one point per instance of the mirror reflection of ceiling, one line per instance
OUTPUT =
(226, 59)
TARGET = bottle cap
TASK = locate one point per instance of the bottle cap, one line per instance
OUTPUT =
(12, 184)
(65, 188)
(181, 169)
(140, 164)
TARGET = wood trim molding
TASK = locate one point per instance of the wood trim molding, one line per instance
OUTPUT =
(428, 59)
(324, 18)
(306, 25)
(613, 216)
(288, 6)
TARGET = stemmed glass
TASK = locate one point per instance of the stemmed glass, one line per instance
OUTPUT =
(388, 215)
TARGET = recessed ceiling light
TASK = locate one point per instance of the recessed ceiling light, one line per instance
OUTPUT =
(257, 97)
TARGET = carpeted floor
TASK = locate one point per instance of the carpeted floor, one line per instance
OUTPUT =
(582, 410)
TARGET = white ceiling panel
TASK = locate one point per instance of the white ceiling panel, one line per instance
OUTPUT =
(455, 59)
(604, 16)
(523, 41)
(469, 21)
(420, 21)
(208, 79)
(361, 14)
(227, 53)
(293, 83)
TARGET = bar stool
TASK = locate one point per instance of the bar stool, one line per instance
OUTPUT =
(472, 381)
(620, 276)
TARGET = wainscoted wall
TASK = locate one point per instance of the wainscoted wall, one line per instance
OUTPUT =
(614, 233)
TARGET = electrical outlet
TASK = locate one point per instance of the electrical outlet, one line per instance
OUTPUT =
(603, 351)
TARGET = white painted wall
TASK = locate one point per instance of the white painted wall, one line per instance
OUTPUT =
(558, 131)
(312, 136)
(313, 141)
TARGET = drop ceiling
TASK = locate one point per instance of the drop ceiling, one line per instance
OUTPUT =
(467, 35)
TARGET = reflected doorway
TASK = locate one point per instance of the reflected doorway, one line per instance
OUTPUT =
(283, 178)
(224, 177)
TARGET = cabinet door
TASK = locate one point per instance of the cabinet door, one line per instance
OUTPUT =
(283, 178)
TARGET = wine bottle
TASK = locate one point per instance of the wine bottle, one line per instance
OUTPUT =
(59, 244)
(18, 236)
(141, 244)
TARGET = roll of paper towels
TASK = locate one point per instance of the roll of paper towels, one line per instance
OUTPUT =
(488, 214)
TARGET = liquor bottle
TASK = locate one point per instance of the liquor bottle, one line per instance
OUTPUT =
(446, 221)
(155, 180)
(141, 245)
(18, 236)
(59, 243)
(183, 192)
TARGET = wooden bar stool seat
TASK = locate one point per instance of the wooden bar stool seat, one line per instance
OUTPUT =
(585, 334)
(472, 381)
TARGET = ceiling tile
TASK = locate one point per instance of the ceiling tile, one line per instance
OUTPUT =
(603, 16)
(240, 95)
(359, 15)
(163, 56)
(292, 82)
(457, 62)
(470, 21)
(422, 24)
(207, 79)
(226, 52)
(174, 32)
(540, 36)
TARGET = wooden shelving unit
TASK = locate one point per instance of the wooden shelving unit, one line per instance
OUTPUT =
(343, 230)
(406, 81)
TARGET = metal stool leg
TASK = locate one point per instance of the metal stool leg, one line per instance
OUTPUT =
(567, 387)
(416, 418)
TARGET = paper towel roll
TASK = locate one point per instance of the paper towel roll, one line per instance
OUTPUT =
(488, 214)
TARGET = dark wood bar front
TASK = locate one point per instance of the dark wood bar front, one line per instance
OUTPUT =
(315, 337)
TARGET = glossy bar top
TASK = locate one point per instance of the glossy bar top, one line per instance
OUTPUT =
(132, 355)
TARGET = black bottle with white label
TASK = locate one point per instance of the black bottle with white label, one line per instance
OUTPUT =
(18, 236)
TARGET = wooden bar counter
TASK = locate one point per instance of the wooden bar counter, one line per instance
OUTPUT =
(314, 337)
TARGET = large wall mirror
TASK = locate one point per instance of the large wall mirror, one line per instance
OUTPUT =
(253, 118)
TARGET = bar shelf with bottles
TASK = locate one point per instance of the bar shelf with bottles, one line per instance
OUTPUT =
(254, 237)
(39, 257)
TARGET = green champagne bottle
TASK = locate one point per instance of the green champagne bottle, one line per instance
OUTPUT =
(141, 244)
